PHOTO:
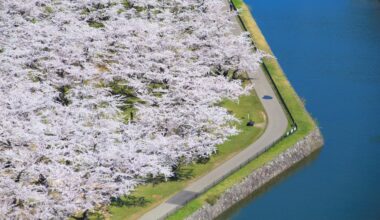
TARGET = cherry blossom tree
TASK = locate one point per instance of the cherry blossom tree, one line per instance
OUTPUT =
(66, 144)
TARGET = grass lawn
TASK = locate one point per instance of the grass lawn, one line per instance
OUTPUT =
(302, 118)
(156, 194)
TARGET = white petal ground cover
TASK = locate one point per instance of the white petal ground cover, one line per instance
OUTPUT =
(65, 143)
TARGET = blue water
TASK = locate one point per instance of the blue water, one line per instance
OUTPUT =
(330, 50)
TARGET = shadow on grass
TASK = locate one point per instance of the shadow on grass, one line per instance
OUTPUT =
(123, 201)
(129, 201)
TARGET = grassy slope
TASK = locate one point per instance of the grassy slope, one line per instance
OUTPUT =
(156, 194)
(304, 121)
(295, 105)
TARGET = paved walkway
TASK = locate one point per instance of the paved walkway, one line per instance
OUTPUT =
(277, 124)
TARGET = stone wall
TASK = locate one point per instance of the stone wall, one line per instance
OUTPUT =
(259, 177)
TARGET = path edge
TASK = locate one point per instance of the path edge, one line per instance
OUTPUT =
(260, 177)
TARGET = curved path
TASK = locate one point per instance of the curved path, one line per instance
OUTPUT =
(277, 124)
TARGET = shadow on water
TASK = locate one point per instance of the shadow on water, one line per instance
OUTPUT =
(268, 186)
